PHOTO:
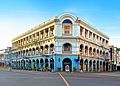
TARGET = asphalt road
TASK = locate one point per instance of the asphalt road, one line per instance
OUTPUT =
(33, 78)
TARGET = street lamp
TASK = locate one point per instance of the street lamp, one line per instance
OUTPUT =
(10, 61)
(79, 59)
(52, 62)
(2, 62)
(116, 56)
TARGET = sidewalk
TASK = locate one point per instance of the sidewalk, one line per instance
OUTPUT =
(4, 68)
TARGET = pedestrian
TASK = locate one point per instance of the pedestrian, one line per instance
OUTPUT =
(10, 67)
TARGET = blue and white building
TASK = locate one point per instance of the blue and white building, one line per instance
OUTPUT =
(63, 43)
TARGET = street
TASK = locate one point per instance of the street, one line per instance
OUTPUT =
(34, 78)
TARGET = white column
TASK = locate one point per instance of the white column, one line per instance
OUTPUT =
(39, 35)
(92, 66)
(92, 36)
(48, 49)
(88, 66)
(92, 51)
(44, 34)
(88, 33)
(88, 51)
(83, 32)
(83, 49)
(48, 31)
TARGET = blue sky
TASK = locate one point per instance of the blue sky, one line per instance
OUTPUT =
(18, 16)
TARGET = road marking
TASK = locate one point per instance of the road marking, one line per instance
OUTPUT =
(64, 79)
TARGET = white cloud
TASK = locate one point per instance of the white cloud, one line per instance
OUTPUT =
(115, 40)
(10, 28)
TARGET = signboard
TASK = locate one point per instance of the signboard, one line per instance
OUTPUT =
(110, 53)
(67, 68)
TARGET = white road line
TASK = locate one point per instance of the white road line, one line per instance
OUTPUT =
(64, 79)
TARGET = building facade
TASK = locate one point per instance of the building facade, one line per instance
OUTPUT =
(64, 42)
(118, 60)
(8, 56)
(113, 58)
(2, 57)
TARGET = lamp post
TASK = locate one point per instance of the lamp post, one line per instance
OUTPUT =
(116, 56)
(52, 62)
(2, 61)
(111, 58)
(9, 62)
(79, 59)
(81, 54)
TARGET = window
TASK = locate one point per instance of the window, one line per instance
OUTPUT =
(90, 34)
(46, 32)
(67, 27)
(97, 37)
(103, 41)
(67, 47)
(81, 30)
(41, 32)
(51, 30)
(86, 33)
(100, 39)
(93, 36)
(37, 33)
(30, 38)
(106, 42)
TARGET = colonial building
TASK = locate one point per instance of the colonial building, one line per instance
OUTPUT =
(114, 57)
(64, 42)
(118, 60)
(2, 57)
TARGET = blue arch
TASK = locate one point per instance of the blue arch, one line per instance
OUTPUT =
(67, 21)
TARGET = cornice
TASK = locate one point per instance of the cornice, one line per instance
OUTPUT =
(35, 29)
(56, 19)
(92, 28)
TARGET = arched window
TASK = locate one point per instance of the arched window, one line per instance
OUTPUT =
(67, 48)
(81, 48)
(67, 27)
